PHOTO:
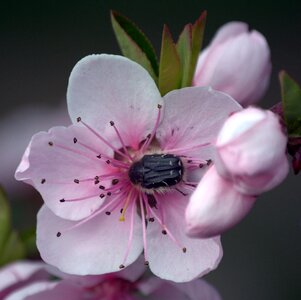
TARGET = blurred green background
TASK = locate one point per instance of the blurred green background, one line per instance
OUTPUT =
(42, 40)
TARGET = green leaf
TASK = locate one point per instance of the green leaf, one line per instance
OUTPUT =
(134, 44)
(291, 101)
(5, 221)
(13, 249)
(184, 50)
(170, 66)
(198, 29)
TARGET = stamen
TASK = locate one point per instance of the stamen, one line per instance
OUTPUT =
(143, 228)
(130, 240)
(127, 201)
(180, 150)
(43, 181)
(97, 212)
(79, 198)
(121, 141)
(153, 133)
(102, 139)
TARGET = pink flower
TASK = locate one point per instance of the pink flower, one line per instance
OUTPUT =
(128, 284)
(118, 180)
(18, 274)
(236, 62)
(250, 159)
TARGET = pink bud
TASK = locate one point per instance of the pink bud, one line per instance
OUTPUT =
(215, 206)
(251, 151)
(236, 62)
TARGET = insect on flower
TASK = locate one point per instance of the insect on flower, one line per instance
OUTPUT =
(118, 180)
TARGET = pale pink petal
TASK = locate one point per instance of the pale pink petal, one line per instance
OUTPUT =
(194, 116)
(166, 258)
(21, 271)
(104, 88)
(215, 206)
(95, 247)
(198, 290)
(48, 291)
(228, 31)
(53, 168)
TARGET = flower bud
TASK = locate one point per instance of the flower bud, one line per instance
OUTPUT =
(236, 62)
(215, 206)
(251, 151)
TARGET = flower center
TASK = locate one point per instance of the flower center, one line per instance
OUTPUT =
(156, 171)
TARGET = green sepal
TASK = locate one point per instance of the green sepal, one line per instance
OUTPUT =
(184, 49)
(5, 220)
(134, 44)
(291, 102)
(198, 29)
(170, 72)
(28, 238)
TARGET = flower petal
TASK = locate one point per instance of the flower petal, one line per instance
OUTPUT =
(104, 88)
(95, 247)
(16, 274)
(166, 258)
(52, 169)
(48, 291)
(194, 116)
(215, 206)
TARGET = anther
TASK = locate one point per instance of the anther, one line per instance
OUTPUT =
(96, 181)
(101, 187)
(159, 106)
(109, 193)
(108, 161)
(164, 232)
(151, 219)
(98, 156)
(115, 181)
(112, 123)
(108, 213)
(58, 234)
(184, 250)
(74, 140)
(209, 161)
(76, 181)
(201, 166)
(43, 180)
(189, 161)
(50, 143)
(78, 119)
(121, 267)
(101, 195)
(121, 211)
(146, 263)
(62, 200)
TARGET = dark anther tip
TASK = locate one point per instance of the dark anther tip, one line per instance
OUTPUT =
(146, 263)
(151, 219)
(109, 193)
(78, 119)
(121, 267)
(108, 162)
(159, 106)
(43, 180)
(101, 195)
(209, 161)
(108, 213)
(101, 187)
(98, 156)
(164, 231)
(74, 140)
(112, 123)
(62, 200)
(58, 234)
(115, 181)
(50, 143)
(184, 250)
(76, 181)
(201, 166)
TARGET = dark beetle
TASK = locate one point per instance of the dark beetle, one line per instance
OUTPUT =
(157, 170)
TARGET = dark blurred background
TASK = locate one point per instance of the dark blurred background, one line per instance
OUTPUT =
(42, 40)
